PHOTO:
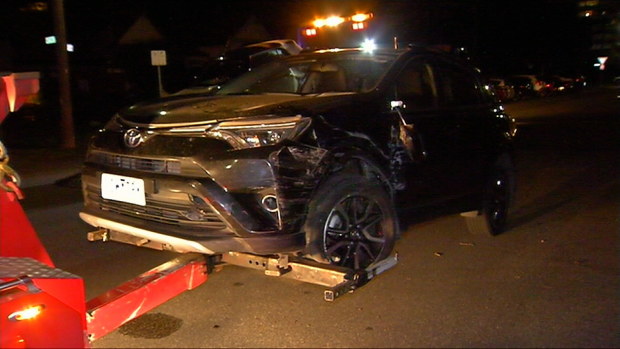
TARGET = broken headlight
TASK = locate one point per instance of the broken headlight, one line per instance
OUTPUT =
(253, 133)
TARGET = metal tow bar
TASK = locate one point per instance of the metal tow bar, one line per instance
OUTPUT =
(339, 280)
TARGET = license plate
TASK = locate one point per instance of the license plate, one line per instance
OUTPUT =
(121, 188)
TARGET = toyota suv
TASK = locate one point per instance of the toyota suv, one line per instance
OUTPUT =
(307, 156)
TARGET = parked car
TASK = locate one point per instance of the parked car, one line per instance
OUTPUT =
(503, 89)
(310, 155)
(561, 84)
(529, 86)
(235, 62)
(566, 84)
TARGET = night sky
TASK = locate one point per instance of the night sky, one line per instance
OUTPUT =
(502, 37)
(531, 32)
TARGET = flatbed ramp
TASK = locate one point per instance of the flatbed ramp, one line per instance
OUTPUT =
(339, 280)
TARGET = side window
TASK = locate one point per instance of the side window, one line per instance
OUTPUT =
(458, 87)
(265, 56)
(415, 86)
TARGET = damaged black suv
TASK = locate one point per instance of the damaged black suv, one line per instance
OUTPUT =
(308, 156)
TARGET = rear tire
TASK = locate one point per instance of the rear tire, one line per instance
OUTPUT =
(498, 194)
(351, 222)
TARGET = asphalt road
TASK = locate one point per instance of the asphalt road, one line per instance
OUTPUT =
(550, 281)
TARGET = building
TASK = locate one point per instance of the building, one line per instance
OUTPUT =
(603, 19)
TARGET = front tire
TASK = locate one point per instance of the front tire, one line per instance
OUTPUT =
(351, 222)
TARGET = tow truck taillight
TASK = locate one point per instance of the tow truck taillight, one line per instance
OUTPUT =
(27, 313)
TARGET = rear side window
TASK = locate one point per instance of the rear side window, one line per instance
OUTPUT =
(266, 56)
(458, 86)
(415, 86)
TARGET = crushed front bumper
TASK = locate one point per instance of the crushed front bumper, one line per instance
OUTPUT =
(243, 204)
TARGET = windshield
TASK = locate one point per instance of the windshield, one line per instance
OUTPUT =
(341, 74)
(219, 71)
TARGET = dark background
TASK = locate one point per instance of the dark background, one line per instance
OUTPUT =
(522, 35)
(501, 37)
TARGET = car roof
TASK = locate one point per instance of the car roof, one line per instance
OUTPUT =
(289, 45)
(380, 53)
(335, 53)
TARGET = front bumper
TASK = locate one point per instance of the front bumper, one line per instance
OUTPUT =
(206, 205)
(213, 245)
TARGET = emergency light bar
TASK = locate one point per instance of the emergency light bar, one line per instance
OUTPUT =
(358, 22)
(336, 31)
(361, 17)
(332, 21)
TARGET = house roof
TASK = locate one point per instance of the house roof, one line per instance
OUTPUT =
(141, 31)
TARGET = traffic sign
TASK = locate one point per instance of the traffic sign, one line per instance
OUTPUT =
(158, 58)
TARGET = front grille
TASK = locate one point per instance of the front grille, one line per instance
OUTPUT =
(186, 218)
(138, 164)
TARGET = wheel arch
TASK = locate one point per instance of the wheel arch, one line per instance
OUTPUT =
(358, 156)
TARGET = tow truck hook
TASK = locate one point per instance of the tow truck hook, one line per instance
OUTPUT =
(98, 235)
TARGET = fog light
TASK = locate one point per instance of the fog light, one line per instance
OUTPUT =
(270, 203)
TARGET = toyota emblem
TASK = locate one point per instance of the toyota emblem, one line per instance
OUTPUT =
(133, 138)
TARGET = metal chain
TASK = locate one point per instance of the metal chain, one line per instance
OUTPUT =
(3, 152)
(9, 179)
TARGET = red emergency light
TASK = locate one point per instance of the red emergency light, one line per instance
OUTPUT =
(358, 26)
(359, 21)
(309, 32)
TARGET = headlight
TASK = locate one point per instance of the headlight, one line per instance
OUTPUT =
(259, 132)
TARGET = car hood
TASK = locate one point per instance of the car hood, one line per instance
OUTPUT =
(194, 109)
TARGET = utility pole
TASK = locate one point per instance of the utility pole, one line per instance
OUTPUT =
(64, 85)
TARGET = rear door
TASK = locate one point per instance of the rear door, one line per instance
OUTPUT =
(427, 135)
(463, 100)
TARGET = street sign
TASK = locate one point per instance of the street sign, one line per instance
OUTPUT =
(602, 61)
(158, 58)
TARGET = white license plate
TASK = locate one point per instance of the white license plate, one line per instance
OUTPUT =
(121, 188)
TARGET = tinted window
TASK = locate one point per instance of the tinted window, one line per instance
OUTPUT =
(415, 86)
(266, 56)
(458, 86)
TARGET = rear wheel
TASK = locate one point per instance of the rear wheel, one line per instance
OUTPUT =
(351, 222)
(491, 219)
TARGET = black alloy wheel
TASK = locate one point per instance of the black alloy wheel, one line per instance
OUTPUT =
(353, 235)
(351, 223)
